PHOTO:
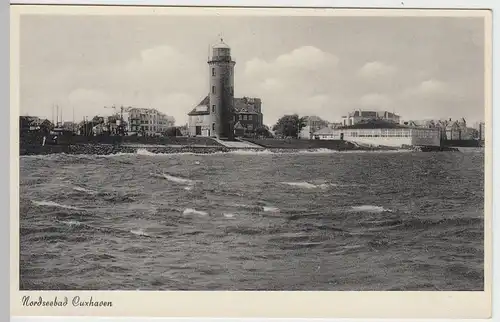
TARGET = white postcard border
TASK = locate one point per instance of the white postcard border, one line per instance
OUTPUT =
(234, 309)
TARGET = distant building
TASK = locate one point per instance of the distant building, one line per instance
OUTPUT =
(359, 116)
(382, 133)
(326, 133)
(248, 113)
(481, 131)
(69, 126)
(147, 121)
(313, 124)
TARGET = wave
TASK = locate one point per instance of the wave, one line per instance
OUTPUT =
(306, 185)
(175, 179)
(54, 204)
(88, 191)
(228, 215)
(191, 211)
(270, 209)
(178, 179)
(140, 232)
(72, 223)
(370, 208)
(145, 152)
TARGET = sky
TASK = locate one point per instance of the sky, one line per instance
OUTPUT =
(418, 67)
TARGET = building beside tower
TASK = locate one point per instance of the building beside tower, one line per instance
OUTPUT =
(219, 112)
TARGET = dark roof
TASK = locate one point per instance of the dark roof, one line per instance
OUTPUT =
(242, 105)
(246, 105)
(202, 108)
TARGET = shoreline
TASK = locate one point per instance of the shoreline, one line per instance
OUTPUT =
(110, 149)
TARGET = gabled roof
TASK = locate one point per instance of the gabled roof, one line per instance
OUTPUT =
(242, 105)
(202, 108)
(238, 126)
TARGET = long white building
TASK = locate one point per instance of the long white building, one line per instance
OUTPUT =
(388, 134)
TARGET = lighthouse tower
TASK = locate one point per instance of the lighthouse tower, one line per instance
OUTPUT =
(221, 91)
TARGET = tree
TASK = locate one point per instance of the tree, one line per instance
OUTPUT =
(289, 125)
(24, 123)
(263, 131)
(46, 126)
(173, 131)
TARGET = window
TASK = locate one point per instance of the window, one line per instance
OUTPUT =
(241, 117)
(244, 117)
(213, 108)
(249, 117)
(250, 127)
(213, 126)
(213, 89)
(213, 71)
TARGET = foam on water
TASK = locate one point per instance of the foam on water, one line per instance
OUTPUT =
(270, 209)
(88, 191)
(139, 232)
(228, 215)
(144, 152)
(72, 223)
(306, 185)
(54, 204)
(177, 179)
(370, 208)
(191, 211)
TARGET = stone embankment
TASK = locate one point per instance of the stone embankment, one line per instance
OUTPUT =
(107, 149)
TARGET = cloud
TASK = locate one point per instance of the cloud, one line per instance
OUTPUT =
(302, 59)
(375, 100)
(429, 88)
(299, 81)
(376, 69)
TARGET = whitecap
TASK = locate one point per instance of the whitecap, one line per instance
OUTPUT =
(54, 204)
(177, 179)
(270, 209)
(306, 185)
(144, 152)
(191, 211)
(139, 232)
(228, 215)
(72, 223)
(370, 208)
(88, 191)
